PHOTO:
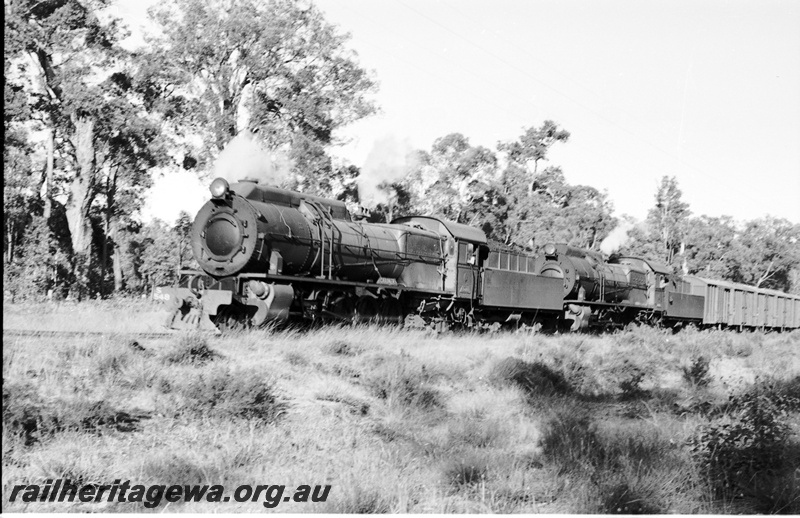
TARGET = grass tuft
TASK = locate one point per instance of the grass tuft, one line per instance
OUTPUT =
(224, 392)
(295, 358)
(466, 471)
(571, 441)
(191, 349)
(475, 432)
(621, 498)
(172, 468)
(342, 348)
(403, 382)
(534, 378)
(358, 500)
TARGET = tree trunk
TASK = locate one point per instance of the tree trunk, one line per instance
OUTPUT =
(82, 189)
(48, 181)
(119, 280)
(766, 275)
(10, 248)
(111, 190)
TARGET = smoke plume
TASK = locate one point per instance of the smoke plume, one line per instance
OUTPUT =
(244, 157)
(617, 238)
(388, 161)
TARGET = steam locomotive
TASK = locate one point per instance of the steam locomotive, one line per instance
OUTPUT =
(270, 255)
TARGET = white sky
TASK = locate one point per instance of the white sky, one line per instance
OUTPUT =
(707, 91)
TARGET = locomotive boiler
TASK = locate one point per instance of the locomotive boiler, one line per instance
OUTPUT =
(253, 228)
(587, 276)
(593, 288)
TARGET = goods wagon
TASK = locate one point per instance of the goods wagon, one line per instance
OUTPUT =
(730, 304)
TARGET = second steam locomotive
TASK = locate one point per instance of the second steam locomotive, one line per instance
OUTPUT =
(270, 255)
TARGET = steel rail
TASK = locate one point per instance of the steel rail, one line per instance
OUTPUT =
(80, 334)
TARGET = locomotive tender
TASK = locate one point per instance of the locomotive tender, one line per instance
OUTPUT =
(270, 255)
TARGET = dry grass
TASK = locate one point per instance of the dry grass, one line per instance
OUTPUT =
(394, 420)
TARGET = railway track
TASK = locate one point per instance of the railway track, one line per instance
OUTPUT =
(83, 334)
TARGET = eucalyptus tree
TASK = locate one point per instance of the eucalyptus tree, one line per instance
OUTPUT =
(98, 134)
(667, 219)
(275, 68)
(533, 145)
(454, 180)
(767, 252)
(552, 210)
(711, 247)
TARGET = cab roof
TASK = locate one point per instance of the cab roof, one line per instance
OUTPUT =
(459, 231)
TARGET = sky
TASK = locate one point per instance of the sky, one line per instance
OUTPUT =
(706, 91)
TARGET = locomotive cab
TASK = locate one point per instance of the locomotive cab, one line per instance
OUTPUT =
(464, 251)
(657, 277)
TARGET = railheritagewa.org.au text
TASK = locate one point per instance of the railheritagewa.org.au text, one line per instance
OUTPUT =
(64, 490)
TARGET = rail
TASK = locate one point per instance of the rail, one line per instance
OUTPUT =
(82, 334)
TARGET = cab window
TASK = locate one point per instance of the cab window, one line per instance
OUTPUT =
(466, 252)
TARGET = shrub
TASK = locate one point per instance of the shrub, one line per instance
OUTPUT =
(191, 349)
(741, 453)
(22, 410)
(696, 374)
(631, 385)
(225, 393)
(784, 394)
(533, 378)
(27, 415)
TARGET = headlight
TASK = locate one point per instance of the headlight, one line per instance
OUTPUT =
(549, 249)
(219, 188)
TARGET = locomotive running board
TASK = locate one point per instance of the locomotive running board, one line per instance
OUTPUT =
(334, 282)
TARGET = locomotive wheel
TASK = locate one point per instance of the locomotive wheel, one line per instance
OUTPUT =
(342, 309)
(366, 310)
(391, 311)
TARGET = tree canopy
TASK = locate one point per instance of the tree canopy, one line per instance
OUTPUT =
(88, 125)
(276, 68)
